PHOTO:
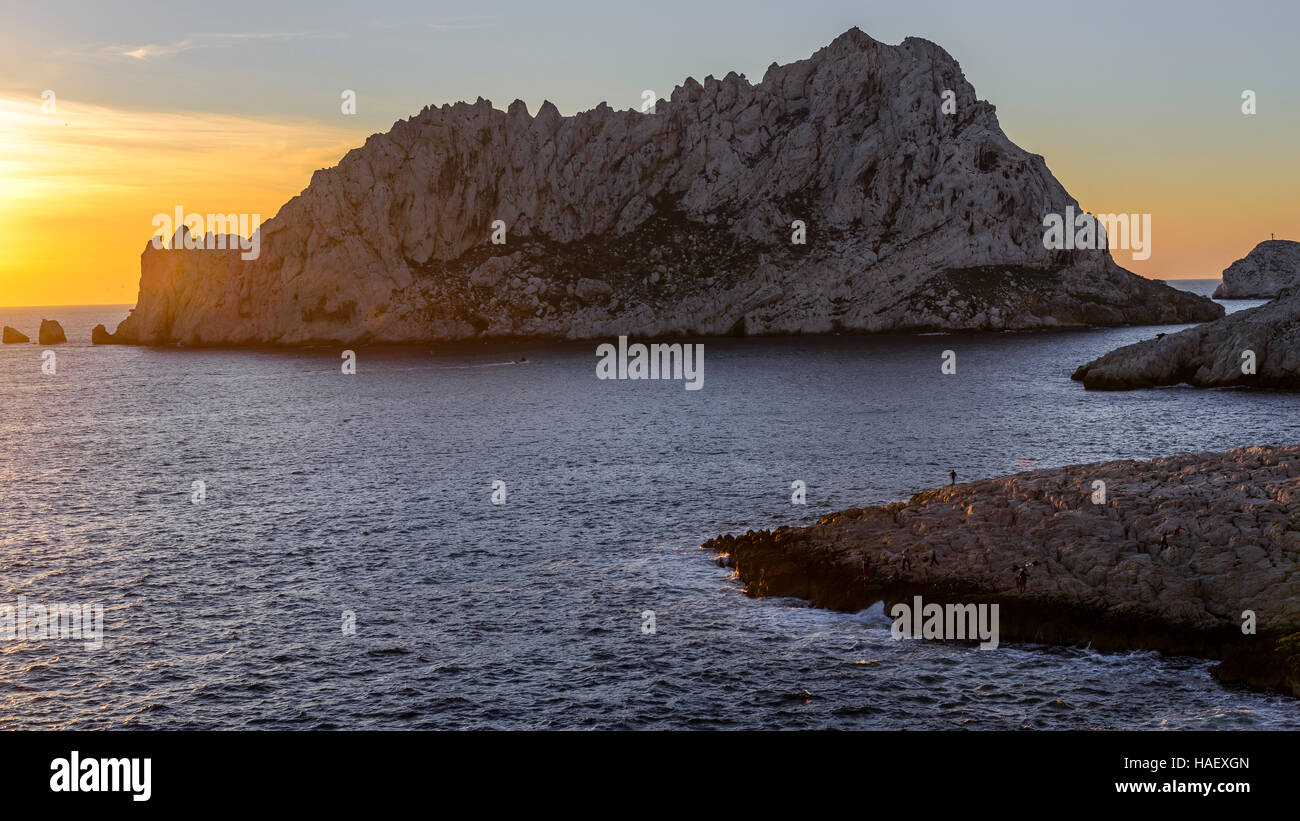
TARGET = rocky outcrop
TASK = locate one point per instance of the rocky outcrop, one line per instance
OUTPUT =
(99, 335)
(1262, 274)
(12, 336)
(1258, 347)
(677, 221)
(50, 333)
(1179, 549)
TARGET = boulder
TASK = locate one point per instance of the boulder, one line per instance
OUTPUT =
(13, 336)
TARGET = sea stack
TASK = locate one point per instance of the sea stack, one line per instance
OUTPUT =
(1255, 348)
(12, 336)
(866, 188)
(51, 333)
(99, 335)
(1170, 554)
(1263, 273)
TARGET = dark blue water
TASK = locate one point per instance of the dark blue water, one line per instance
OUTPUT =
(371, 493)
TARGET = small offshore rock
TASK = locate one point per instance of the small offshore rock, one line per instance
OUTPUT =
(12, 336)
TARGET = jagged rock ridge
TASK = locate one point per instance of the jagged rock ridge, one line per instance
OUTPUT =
(672, 222)
(1270, 267)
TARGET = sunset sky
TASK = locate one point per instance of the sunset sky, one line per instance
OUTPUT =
(230, 107)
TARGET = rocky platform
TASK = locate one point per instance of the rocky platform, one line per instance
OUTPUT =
(1270, 267)
(1255, 348)
(918, 214)
(1101, 574)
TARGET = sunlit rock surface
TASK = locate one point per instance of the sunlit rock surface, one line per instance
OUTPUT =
(672, 222)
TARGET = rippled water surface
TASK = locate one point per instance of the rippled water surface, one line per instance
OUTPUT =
(371, 493)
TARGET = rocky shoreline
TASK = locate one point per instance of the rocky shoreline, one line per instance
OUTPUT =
(1255, 348)
(1178, 550)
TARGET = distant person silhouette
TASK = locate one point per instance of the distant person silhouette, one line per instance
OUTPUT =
(1022, 576)
(952, 474)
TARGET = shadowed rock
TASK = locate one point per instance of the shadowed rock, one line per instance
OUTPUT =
(1101, 573)
(1216, 354)
(673, 222)
(99, 335)
(1263, 273)
(51, 333)
(13, 336)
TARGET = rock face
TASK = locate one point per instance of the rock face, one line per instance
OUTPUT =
(671, 222)
(51, 333)
(1211, 355)
(99, 335)
(1263, 273)
(1101, 573)
(13, 336)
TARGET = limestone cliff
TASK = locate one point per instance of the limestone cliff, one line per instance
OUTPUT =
(677, 221)
(1263, 273)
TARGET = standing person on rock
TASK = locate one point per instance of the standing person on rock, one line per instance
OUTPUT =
(952, 475)
(1022, 576)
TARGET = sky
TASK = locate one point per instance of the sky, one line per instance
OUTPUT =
(229, 107)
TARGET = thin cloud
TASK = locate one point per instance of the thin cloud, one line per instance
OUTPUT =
(464, 23)
(151, 52)
(158, 51)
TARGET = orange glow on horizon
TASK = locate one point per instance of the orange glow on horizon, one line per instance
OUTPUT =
(79, 188)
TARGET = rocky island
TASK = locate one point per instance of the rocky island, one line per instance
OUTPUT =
(1169, 557)
(1263, 273)
(1257, 348)
(863, 189)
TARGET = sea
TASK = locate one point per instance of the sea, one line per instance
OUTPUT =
(491, 537)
